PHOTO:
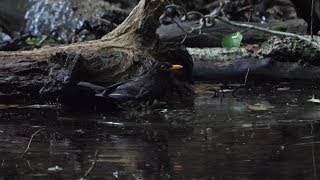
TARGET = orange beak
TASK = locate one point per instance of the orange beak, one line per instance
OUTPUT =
(175, 67)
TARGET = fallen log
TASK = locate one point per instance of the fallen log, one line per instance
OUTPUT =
(276, 59)
(126, 52)
(212, 36)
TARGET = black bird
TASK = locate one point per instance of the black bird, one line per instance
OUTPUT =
(146, 88)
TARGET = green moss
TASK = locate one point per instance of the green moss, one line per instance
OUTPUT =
(307, 52)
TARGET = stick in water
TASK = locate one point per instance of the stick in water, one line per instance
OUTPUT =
(31, 138)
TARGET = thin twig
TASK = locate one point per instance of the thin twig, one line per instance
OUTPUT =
(314, 162)
(225, 20)
(31, 138)
(107, 21)
(191, 31)
(92, 165)
(11, 136)
(184, 38)
(199, 28)
(311, 16)
(250, 15)
(186, 14)
(313, 157)
(180, 27)
(244, 85)
(29, 165)
(246, 77)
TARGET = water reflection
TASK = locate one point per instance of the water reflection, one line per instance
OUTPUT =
(211, 139)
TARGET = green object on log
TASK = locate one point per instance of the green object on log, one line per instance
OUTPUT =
(232, 40)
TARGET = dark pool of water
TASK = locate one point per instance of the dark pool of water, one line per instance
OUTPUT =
(204, 138)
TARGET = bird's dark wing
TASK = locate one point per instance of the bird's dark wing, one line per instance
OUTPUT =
(99, 90)
(142, 94)
(96, 88)
(113, 87)
(125, 90)
(144, 91)
(121, 90)
(128, 84)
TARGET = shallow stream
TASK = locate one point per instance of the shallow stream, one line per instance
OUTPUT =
(261, 134)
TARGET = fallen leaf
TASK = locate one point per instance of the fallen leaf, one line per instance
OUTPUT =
(314, 100)
(55, 168)
(283, 89)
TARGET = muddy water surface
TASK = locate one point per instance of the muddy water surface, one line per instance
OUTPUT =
(256, 135)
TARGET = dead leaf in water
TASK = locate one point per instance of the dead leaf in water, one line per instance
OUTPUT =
(259, 107)
(177, 167)
(55, 168)
(283, 89)
(314, 100)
